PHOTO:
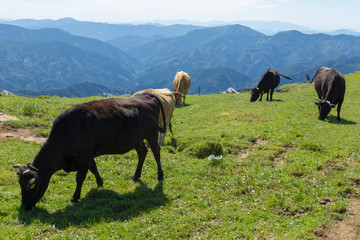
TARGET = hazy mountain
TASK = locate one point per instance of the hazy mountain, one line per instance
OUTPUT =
(10, 32)
(243, 50)
(45, 64)
(217, 79)
(344, 31)
(209, 80)
(84, 89)
(229, 37)
(125, 43)
(342, 63)
(105, 31)
(215, 57)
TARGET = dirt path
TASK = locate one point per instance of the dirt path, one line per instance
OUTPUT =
(25, 134)
(4, 117)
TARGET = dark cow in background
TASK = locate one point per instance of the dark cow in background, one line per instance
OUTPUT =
(88, 130)
(268, 82)
(330, 88)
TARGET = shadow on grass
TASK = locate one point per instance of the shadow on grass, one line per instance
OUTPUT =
(100, 205)
(182, 105)
(332, 119)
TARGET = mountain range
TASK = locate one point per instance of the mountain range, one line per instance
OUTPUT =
(52, 61)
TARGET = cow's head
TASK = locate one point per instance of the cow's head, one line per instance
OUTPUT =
(324, 108)
(255, 93)
(178, 96)
(29, 183)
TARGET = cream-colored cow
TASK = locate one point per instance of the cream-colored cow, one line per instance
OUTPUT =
(182, 82)
(168, 101)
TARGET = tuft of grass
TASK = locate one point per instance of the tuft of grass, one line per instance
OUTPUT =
(205, 149)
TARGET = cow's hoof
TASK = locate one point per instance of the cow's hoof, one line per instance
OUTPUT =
(74, 200)
(135, 179)
(100, 184)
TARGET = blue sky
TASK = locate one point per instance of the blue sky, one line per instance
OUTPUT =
(316, 14)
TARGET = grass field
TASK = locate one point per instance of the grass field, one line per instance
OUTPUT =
(283, 173)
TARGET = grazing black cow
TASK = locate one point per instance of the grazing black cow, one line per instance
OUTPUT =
(88, 130)
(269, 81)
(330, 88)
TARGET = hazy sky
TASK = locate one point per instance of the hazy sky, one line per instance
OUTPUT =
(316, 14)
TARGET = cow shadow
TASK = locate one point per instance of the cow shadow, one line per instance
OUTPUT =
(332, 119)
(182, 105)
(100, 205)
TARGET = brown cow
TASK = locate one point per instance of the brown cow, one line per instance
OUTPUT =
(182, 82)
(168, 101)
(85, 131)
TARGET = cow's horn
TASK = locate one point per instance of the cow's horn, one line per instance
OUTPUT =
(26, 172)
(32, 167)
(317, 99)
(17, 166)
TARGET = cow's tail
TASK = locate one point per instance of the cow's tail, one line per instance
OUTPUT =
(286, 77)
(164, 129)
(170, 128)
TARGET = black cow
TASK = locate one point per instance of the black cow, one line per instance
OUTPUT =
(88, 130)
(269, 81)
(330, 88)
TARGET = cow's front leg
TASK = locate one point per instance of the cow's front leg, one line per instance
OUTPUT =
(80, 177)
(261, 94)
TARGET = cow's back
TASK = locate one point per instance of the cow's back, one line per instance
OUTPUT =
(326, 79)
(269, 80)
(182, 82)
(167, 99)
(106, 126)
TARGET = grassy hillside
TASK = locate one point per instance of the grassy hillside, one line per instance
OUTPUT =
(283, 173)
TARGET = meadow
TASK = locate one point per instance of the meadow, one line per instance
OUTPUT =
(283, 173)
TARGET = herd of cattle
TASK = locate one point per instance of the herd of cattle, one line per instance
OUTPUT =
(117, 125)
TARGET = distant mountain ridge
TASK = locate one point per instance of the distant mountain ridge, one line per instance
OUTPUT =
(104, 31)
(215, 57)
(83, 89)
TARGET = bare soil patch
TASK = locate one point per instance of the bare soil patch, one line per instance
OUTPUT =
(4, 117)
(346, 229)
(25, 134)
(255, 143)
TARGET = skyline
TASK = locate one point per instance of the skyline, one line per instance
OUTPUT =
(315, 14)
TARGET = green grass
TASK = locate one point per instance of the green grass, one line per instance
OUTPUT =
(278, 163)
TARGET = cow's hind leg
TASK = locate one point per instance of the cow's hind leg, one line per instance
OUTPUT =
(155, 148)
(141, 151)
(80, 177)
(271, 94)
(339, 108)
(94, 170)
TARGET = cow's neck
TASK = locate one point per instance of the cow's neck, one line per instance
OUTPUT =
(48, 160)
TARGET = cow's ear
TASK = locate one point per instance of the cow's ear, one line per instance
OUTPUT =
(317, 103)
(332, 105)
(31, 184)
